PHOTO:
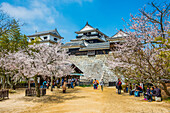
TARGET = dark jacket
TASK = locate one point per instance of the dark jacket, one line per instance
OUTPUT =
(157, 92)
(119, 85)
(139, 88)
(152, 92)
(148, 91)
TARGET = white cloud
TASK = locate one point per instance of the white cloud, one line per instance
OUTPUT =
(34, 11)
(35, 15)
(42, 15)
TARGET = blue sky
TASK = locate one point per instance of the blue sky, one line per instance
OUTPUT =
(69, 16)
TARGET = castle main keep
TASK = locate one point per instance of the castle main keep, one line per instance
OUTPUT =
(89, 51)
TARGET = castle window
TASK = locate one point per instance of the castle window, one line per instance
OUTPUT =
(89, 33)
(90, 41)
(55, 39)
(45, 37)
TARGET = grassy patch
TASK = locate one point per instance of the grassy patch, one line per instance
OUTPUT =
(167, 100)
(12, 91)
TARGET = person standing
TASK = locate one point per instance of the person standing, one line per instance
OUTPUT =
(44, 84)
(58, 83)
(62, 81)
(72, 82)
(48, 84)
(64, 86)
(119, 86)
(102, 84)
(69, 82)
(95, 84)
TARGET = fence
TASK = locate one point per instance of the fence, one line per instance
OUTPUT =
(4, 94)
(32, 92)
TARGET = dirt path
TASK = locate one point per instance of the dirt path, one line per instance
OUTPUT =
(81, 100)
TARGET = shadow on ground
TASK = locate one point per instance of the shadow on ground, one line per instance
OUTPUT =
(57, 96)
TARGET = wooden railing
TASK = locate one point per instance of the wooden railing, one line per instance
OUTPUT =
(32, 92)
(4, 94)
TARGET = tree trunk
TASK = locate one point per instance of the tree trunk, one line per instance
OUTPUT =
(129, 90)
(29, 87)
(165, 89)
(10, 82)
(52, 83)
(3, 83)
(37, 88)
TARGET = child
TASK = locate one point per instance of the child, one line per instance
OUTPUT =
(147, 94)
(151, 94)
(64, 86)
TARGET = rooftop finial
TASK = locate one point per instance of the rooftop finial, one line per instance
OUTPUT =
(87, 23)
(121, 30)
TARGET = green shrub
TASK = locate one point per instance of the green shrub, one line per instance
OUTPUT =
(12, 91)
(23, 82)
(167, 99)
(123, 86)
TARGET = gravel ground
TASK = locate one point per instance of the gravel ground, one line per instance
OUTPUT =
(81, 100)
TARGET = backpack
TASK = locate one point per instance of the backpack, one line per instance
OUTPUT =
(95, 82)
(136, 94)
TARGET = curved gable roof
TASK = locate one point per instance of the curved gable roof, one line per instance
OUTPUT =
(51, 32)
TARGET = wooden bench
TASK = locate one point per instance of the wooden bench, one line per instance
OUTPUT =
(4, 94)
(32, 92)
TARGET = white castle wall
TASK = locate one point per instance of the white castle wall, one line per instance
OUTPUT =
(94, 67)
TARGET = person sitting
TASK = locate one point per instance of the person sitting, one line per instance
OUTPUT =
(126, 88)
(147, 94)
(132, 91)
(152, 92)
(138, 91)
(157, 93)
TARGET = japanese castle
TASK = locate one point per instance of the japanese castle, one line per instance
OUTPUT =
(87, 50)
(47, 37)
(91, 41)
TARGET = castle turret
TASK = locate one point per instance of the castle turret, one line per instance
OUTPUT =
(48, 37)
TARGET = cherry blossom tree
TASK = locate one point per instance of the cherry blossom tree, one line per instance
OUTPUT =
(140, 57)
(38, 60)
(11, 40)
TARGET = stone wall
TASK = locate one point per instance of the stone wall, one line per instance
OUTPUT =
(94, 67)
